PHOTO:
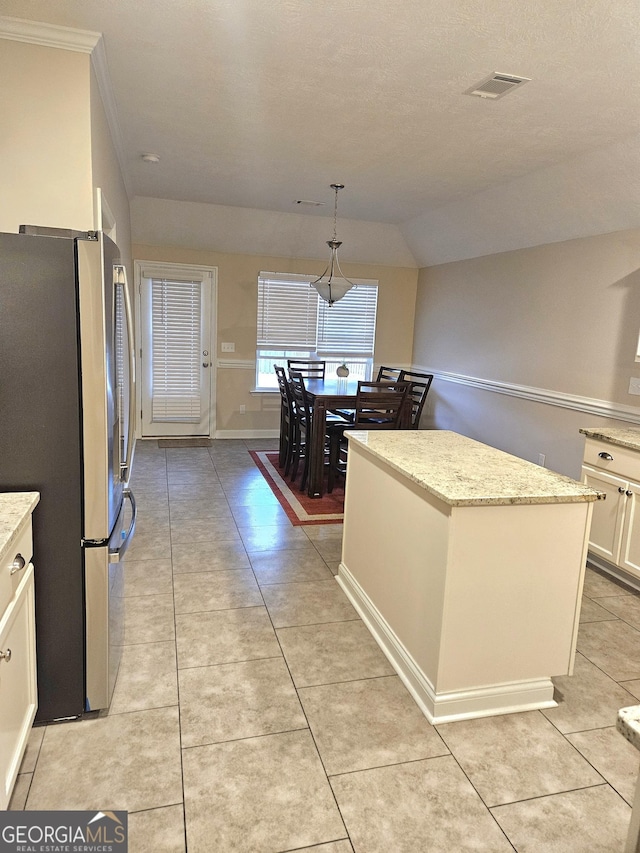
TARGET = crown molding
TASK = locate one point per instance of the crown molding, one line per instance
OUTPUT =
(101, 69)
(49, 35)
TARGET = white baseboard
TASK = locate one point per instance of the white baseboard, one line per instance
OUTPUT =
(454, 705)
(246, 433)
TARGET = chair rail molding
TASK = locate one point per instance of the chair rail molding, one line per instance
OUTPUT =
(590, 405)
(236, 364)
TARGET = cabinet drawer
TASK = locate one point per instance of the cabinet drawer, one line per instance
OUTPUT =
(18, 687)
(625, 462)
(20, 549)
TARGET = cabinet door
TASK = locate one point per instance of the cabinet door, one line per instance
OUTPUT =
(630, 544)
(18, 699)
(606, 523)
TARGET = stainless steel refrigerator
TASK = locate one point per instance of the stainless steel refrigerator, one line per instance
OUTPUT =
(66, 431)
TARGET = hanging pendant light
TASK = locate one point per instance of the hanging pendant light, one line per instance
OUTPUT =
(333, 284)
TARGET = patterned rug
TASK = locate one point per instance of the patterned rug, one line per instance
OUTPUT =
(300, 508)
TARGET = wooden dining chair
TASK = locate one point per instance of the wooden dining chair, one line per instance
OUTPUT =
(388, 374)
(309, 368)
(379, 405)
(419, 384)
(303, 425)
(287, 420)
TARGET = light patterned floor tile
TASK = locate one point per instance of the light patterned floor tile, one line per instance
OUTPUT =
(310, 603)
(593, 820)
(423, 805)
(237, 700)
(262, 795)
(362, 724)
(128, 761)
(516, 756)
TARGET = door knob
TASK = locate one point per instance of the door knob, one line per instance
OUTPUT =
(206, 363)
(6, 655)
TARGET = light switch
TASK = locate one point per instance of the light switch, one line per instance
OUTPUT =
(229, 347)
(634, 385)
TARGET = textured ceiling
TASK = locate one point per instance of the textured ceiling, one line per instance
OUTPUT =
(256, 103)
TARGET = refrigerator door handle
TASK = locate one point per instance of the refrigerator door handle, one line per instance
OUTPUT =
(116, 555)
(121, 281)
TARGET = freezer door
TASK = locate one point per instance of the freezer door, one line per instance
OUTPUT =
(96, 263)
(104, 585)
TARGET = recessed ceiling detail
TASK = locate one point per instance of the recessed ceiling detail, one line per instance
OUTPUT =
(496, 85)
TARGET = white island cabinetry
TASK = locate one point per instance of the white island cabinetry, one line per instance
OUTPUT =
(18, 690)
(612, 465)
(467, 565)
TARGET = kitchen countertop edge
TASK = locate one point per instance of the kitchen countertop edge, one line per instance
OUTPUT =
(15, 512)
(620, 436)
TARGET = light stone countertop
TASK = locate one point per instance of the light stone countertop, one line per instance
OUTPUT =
(622, 436)
(464, 472)
(15, 511)
(628, 724)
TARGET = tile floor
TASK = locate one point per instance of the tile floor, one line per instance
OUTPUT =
(253, 712)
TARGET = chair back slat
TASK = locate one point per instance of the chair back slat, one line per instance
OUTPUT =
(419, 388)
(300, 399)
(309, 368)
(379, 404)
(283, 385)
(388, 374)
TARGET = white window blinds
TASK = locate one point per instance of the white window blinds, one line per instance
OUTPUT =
(349, 326)
(292, 316)
(176, 357)
(287, 312)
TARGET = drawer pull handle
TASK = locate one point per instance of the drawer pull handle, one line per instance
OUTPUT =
(629, 494)
(18, 564)
(6, 655)
(605, 455)
(621, 489)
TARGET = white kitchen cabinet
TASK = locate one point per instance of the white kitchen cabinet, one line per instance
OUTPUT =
(614, 542)
(18, 687)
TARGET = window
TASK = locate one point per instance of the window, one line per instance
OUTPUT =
(293, 322)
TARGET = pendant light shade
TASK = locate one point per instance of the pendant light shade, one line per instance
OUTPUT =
(333, 284)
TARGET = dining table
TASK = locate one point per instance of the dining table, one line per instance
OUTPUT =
(325, 395)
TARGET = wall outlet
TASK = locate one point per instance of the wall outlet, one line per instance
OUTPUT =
(243, 409)
(634, 385)
(228, 347)
(542, 459)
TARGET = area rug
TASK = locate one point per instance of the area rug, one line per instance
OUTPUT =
(300, 508)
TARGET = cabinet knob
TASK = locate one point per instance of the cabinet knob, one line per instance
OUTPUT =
(629, 493)
(605, 455)
(6, 655)
(621, 489)
(18, 564)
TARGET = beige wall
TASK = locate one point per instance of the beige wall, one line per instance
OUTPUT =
(45, 140)
(563, 317)
(236, 322)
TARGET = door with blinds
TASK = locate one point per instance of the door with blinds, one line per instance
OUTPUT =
(176, 308)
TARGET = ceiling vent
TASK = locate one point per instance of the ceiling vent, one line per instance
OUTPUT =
(496, 86)
(309, 203)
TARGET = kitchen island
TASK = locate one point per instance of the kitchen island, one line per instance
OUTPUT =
(467, 566)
